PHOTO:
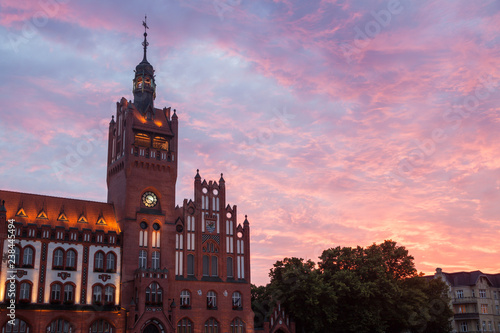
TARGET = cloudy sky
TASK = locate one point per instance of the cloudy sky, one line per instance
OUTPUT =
(334, 122)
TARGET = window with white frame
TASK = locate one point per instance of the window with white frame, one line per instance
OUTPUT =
(211, 300)
(143, 259)
(237, 300)
(482, 293)
(185, 298)
(156, 260)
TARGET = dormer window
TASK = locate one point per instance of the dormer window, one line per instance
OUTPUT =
(142, 140)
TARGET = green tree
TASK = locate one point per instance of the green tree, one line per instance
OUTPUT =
(372, 289)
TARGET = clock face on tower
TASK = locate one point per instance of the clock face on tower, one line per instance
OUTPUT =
(149, 199)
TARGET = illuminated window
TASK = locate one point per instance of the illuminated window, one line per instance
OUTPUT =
(109, 294)
(139, 82)
(185, 298)
(69, 293)
(97, 294)
(147, 81)
(99, 262)
(143, 259)
(60, 326)
(160, 142)
(461, 309)
(101, 326)
(184, 326)
(71, 259)
(19, 326)
(55, 293)
(237, 326)
(25, 292)
(211, 300)
(484, 308)
(58, 258)
(28, 257)
(154, 294)
(110, 262)
(142, 140)
(237, 300)
(211, 326)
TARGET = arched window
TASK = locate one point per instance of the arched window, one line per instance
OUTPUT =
(143, 259)
(55, 293)
(229, 267)
(190, 264)
(154, 294)
(111, 262)
(237, 300)
(185, 298)
(25, 292)
(60, 326)
(69, 293)
(211, 300)
(71, 260)
(58, 259)
(99, 262)
(20, 326)
(211, 326)
(215, 266)
(17, 255)
(28, 257)
(156, 260)
(185, 326)
(237, 326)
(101, 326)
(109, 294)
(142, 139)
(97, 294)
(160, 142)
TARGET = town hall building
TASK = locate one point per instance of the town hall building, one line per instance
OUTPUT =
(137, 263)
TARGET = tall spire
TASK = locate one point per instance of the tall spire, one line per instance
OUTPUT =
(145, 43)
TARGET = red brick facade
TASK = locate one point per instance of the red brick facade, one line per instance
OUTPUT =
(138, 263)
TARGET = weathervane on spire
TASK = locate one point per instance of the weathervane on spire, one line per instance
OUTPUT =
(145, 43)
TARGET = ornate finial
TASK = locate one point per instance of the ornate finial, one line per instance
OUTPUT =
(145, 43)
(197, 174)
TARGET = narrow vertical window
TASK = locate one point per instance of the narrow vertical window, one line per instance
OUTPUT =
(190, 264)
(205, 265)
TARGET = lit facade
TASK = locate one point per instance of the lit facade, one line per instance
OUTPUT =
(475, 298)
(137, 263)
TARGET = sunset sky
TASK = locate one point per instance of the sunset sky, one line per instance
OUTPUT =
(335, 123)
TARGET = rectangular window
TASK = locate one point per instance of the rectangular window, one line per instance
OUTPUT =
(205, 265)
(463, 326)
(461, 309)
(482, 293)
(230, 267)
(473, 293)
(460, 294)
(498, 310)
(190, 263)
(215, 266)
(495, 295)
(484, 308)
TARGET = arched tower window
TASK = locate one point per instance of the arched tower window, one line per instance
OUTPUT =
(20, 326)
(154, 294)
(237, 326)
(185, 326)
(101, 326)
(60, 326)
(211, 326)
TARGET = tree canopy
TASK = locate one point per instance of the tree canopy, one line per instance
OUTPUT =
(372, 289)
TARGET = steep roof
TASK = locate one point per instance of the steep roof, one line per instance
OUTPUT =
(56, 211)
(471, 278)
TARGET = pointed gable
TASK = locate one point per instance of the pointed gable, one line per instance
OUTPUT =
(82, 219)
(21, 213)
(62, 217)
(42, 215)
